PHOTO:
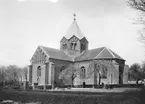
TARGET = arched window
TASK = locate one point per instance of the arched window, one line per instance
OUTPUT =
(62, 68)
(103, 72)
(83, 72)
(73, 45)
(38, 71)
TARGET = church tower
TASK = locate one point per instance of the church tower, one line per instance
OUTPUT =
(74, 41)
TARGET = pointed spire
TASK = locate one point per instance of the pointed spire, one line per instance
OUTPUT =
(74, 30)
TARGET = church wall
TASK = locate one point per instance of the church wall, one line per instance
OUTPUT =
(121, 70)
(47, 73)
(29, 75)
(64, 40)
(58, 64)
(89, 78)
(69, 45)
(66, 44)
(77, 65)
(34, 73)
(77, 46)
(113, 74)
(84, 41)
(125, 74)
(42, 80)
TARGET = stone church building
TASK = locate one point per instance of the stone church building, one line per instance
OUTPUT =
(47, 64)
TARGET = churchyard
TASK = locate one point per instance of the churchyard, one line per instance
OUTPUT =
(74, 96)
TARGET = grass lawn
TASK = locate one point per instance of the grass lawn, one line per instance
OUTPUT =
(74, 97)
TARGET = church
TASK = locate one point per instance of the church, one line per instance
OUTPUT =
(74, 64)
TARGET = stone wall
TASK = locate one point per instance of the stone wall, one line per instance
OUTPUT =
(58, 64)
(89, 76)
(77, 65)
(51, 75)
(121, 69)
(113, 73)
(78, 47)
(34, 73)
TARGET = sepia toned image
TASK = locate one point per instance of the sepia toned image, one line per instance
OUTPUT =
(72, 52)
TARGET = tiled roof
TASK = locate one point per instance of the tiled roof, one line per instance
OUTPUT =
(98, 53)
(117, 56)
(74, 30)
(89, 54)
(56, 54)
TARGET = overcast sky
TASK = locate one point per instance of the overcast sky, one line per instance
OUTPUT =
(25, 24)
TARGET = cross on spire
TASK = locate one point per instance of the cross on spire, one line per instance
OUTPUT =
(74, 16)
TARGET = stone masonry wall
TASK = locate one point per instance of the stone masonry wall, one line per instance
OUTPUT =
(34, 74)
(89, 77)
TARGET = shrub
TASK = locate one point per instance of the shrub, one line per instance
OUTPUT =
(16, 87)
(106, 86)
(30, 87)
(48, 87)
(40, 87)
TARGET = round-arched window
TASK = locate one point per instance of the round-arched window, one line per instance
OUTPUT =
(62, 68)
(83, 72)
(38, 71)
(73, 45)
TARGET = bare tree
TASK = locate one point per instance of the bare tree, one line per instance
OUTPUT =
(136, 73)
(99, 68)
(69, 73)
(25, 72)
(13, 73)
(143, 69)
(139, 5)
(2, 75)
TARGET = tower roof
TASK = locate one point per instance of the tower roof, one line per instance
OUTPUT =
(74, 30)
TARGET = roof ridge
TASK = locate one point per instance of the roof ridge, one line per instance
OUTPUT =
(69, 55)
(79, 30)
(55, 53)
(81, 54)
(110, 52)
(95, 48)
(100, 52)
(116, 54)
(50, 48)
